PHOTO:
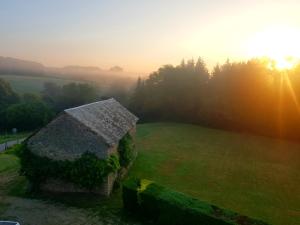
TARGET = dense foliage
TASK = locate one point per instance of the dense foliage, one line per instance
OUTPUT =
(88, 171)
(27, 115)
(168, 207)
(29, 111)
(250, 96)
(126, 150)
(69, 95)
(7, 95)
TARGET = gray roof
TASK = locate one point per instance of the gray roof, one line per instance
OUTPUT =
(108, 118)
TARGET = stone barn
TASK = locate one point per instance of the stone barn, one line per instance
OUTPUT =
(96, 128)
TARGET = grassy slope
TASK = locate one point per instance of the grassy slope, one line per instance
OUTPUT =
(32, 84)
(8, 163)
(253, 175)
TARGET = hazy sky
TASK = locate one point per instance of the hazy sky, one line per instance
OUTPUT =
(137, 35)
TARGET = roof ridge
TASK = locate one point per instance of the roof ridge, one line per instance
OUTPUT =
(88, 104)
(108, 118)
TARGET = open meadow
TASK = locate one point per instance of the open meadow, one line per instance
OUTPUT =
(253, 175)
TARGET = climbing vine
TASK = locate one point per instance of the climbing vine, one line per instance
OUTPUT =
(126, 150)
(88, 171)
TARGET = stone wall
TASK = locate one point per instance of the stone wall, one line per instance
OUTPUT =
(60, 186)
(55, 185)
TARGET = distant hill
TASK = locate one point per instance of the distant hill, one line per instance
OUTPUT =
(20, 67)
(81, 69)
(116, 69)
(13, 66)
(23, 67)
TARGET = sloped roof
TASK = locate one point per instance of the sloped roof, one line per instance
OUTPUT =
(108, 118)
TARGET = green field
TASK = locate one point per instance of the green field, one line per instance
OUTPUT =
(33, 84)
(256, 176)
(253, 175)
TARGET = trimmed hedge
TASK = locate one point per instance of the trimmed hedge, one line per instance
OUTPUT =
(168, 207)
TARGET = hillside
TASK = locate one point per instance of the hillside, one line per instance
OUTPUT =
(29, 77)
(253, 175)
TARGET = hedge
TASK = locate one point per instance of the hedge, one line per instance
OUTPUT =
(168, 207)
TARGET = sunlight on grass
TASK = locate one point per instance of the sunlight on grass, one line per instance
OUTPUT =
(253, 175)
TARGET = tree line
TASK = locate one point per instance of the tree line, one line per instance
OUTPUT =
(32, 111)
(250, 96)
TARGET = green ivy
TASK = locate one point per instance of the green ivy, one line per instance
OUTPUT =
(126, 150)
(88, 171)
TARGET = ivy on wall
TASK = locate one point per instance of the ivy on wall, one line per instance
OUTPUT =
(88, 171)
(126, 150)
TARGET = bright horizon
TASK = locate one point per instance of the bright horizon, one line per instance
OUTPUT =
(142, 36)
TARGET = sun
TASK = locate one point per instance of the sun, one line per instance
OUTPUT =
(280, 44)
(285, 63)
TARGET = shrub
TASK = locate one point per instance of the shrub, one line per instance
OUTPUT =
(168, 207)
(14, 150)
(88, 171)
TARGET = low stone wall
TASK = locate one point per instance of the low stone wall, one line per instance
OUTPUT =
(60, 186)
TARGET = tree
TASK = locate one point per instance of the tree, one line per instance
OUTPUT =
(27, 115)
(171, 93)
(7, 95)
(69, 95)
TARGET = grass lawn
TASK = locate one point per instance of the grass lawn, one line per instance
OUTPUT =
(253, 175)
(11, 137)
(33, 84)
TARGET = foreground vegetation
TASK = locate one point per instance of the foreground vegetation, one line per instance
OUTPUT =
(168, 207)
(252, 175)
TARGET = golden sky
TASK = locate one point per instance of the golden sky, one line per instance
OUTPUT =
(140, 35)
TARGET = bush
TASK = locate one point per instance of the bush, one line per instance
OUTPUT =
(88, 171)
(168, 207)
(14, 150)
